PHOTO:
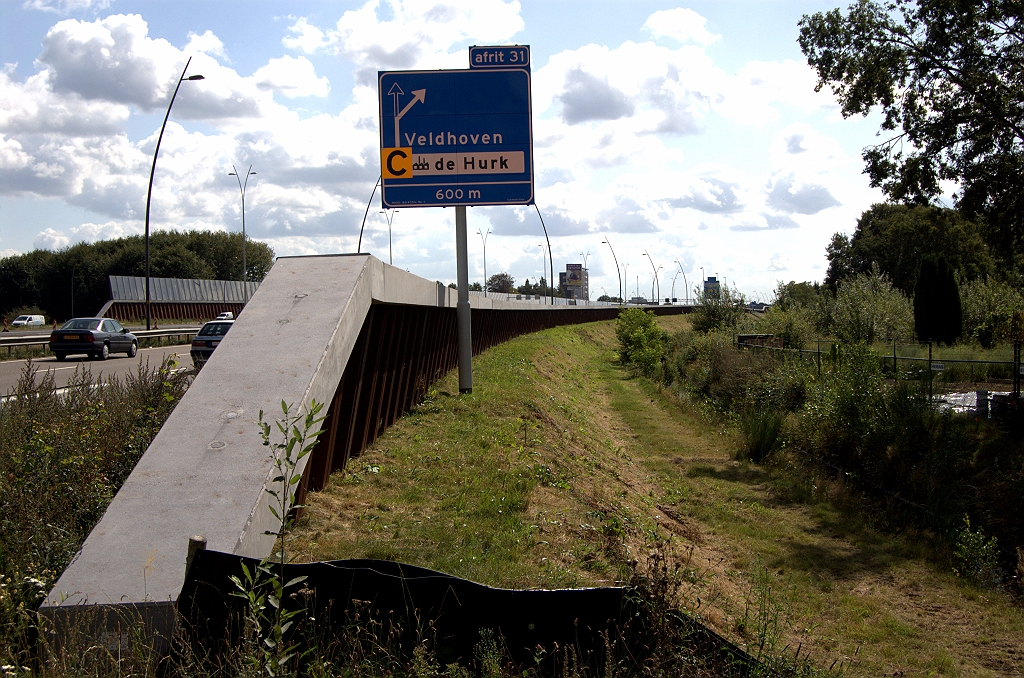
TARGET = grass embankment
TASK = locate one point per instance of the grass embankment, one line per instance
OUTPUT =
(559, 452)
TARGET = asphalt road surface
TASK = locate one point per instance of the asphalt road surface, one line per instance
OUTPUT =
(117, 363)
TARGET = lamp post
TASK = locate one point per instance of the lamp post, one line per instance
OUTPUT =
(241, 189)
(674, 284)
(543, 265)
(625, 274)
(551, 259)
(655, 278)
(152, 171)
(391, 259)
(586, 271)
(73, 290)
(687, 289)
(359, 247)
(483, 236)
(617, 269)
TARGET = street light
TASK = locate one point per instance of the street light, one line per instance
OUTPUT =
(391, 259)
(617, 269)
(543, 265)
(551, 259)
(483, 236)
(655, 278)
(241, 189)
(685, 284)
(359, 247)
(587, 272)
(152, 171)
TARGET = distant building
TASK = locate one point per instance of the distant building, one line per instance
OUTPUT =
(712, 288)
(574, 282)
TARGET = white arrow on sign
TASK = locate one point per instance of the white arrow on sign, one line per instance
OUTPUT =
(418, 95)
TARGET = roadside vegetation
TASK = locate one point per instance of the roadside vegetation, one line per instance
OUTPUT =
(565, 448)
(43, 282)
(63, 455)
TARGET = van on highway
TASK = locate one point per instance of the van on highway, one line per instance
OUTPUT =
(29, 321)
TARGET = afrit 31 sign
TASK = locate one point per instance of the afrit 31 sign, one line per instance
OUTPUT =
(458, 137)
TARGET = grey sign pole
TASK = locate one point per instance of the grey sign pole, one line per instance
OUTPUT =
(462, 310)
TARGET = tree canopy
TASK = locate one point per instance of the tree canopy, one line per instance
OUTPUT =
(948, 76)
(896, 238)
(46, 280)
(501, 282)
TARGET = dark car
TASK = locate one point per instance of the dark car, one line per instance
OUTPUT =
(98, 337)
(209, 336)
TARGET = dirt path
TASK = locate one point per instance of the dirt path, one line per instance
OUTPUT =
(816, 574)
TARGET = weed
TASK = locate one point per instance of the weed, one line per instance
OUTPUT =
(762, 434)
(267, 621)
(975, 558)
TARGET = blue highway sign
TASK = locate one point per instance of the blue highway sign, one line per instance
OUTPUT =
(514, 56)
(460, 137)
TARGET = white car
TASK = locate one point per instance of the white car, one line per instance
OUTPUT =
(29, 321)
(226, 315)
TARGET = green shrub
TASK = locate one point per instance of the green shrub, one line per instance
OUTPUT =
(976, 558)
(867, 308)
(782, 386)
(710, 367)
(794, 325)
(989, 309)
(641, 341)
(63, 456)
(718, 309)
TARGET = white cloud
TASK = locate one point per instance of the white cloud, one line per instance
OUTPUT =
(681, 24)
(292, 77)
(419, 33)
(8, 252)
(50, 239)
(66, 6)
(307, 37)
(207, 43)
(90, 232)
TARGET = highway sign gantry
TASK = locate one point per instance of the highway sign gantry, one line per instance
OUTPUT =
(457, 137)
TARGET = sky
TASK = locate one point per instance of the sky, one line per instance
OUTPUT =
(688, 135)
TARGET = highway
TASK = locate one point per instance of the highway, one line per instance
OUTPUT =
(118, 363)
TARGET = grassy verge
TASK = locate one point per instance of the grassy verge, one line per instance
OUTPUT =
(62, 459)
(559, 452)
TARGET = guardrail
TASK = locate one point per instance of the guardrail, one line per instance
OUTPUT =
(13, 339)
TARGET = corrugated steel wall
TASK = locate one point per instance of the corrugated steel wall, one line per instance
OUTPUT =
(400, 352)
(133, 288)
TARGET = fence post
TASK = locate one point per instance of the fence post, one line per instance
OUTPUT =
(1016, 369)
(929, 371)
(819, 358)
(895, 370)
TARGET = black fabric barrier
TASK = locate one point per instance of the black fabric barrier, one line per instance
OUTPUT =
(447, 611)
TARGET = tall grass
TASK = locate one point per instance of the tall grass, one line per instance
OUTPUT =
(63, 456)
(850, 418)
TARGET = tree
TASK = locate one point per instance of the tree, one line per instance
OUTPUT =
(947, 76)
(895, 238)
(501, 282)
(938, 314)
(47, 280)
(717, 309)
(792, 295)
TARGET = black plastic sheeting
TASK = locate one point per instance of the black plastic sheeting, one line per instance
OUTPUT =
(535, 628)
